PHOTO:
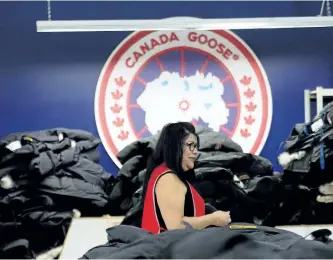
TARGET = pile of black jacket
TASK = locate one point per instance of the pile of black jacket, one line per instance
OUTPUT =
(308, 171)
(236, 241)
(45, 177)
(225, 176)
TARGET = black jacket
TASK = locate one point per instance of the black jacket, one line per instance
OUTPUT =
(209, 141)
(236, 241)
(219, 160)
(214, 148)
(54, 171)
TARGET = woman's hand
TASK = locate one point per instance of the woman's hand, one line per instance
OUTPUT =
(221, 218)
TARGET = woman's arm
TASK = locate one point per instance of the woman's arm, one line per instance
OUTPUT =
(201, 222)
(170, 193)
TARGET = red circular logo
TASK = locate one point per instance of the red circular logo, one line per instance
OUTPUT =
(211, 78)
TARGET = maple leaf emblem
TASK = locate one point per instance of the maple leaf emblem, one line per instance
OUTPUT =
(118, 122)
(249, 93)
(117, 94)
(123, 135)
(120, 82)
(116, 109)
(249, 120)
(246, 80)
(251, 107)
(245, 133)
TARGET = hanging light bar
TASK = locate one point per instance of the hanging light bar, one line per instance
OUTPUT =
(184, 24)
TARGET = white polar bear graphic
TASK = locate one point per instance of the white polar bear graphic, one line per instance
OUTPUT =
(172, 98)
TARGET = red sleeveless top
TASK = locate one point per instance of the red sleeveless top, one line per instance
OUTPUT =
(150, 220)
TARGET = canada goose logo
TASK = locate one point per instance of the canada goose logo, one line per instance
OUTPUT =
(211, 78)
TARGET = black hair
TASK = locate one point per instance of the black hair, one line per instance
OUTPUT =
(169, 149)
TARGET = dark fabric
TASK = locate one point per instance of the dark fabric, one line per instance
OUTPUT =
(209, 141)
(134, 216)
(259, 197)
(219, 160)
(322, 235)
(237, 162)
(129, 168)
(121, 195)
(54, 172)
(302, 178)
(299, 139)
(312, 144)
(259, 200)
(236, 241)
(16, 249)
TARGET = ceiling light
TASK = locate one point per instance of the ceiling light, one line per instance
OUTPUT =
(184, 24)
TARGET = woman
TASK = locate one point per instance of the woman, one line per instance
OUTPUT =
(170, 202)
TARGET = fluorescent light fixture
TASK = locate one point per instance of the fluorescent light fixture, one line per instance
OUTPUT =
(184, 24)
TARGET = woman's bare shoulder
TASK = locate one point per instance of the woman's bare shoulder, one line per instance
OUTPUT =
(170, 181)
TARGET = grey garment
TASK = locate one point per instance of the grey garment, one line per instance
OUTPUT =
(127, 242)
(237, 162)
(59, 161)
(143, 147)
(264, 186)
(209, 141)
(132, 166)
(236, 241)
(74, 188)
(50, 135)
(126, 234)
(298, 139)
(211, 172)
(56, 140)
(69, 174)
(52, 160)
(249, 244)
(302, 166)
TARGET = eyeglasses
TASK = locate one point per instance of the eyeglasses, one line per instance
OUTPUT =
(192, 146)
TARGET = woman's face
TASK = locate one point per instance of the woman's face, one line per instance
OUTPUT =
(190, 151)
